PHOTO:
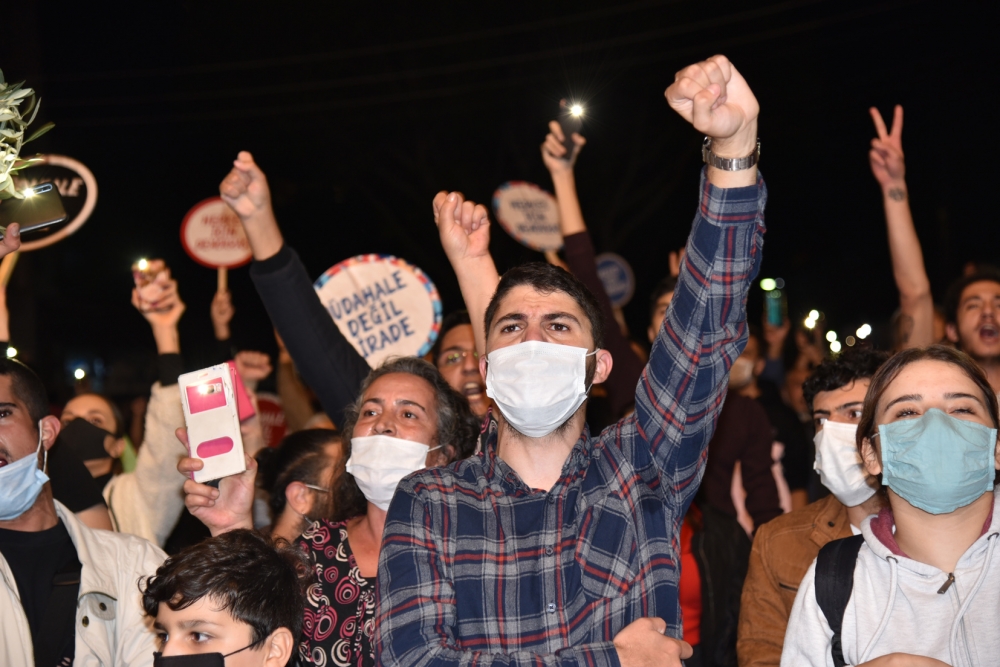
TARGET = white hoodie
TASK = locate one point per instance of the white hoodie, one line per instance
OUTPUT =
(896, 607)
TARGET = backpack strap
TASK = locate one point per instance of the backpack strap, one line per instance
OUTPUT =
(834, 585)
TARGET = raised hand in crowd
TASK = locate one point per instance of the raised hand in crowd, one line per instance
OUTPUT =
(464, 229)
(915, 326)
(11, 241)
(228, 507)
(713, 96)
(222, 314)
(245, 190)
(252, 367)
(162, 307)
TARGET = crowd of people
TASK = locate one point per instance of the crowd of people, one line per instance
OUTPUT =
(541, 488)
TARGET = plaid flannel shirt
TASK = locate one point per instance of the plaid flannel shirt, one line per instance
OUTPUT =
(478, 569)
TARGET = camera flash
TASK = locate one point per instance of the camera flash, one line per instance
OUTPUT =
(143, 264)
(576, 110)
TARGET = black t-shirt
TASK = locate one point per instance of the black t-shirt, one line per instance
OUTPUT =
(35, 559)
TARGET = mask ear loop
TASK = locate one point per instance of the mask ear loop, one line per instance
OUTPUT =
(45, 456)
(589, 354)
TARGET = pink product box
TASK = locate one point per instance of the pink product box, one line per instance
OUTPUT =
(213, 422)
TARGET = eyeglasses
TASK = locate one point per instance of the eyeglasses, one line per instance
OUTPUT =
(317, 488)
(455, 357)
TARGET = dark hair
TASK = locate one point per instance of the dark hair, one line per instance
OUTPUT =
(547, 279)
(451, 320)
(456, 426)
(27, 387)
(855, 363)
(259, 582)
(116, 412)
(891, 369)
(300, 457)
(953, 297)
(665, 286)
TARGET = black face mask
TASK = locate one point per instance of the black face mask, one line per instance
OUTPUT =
(85, 439)
(199, 660)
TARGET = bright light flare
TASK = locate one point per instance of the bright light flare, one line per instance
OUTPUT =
(11, 352)
(835, 346)
(810, 323)
(864, 331)
(768, 284)
(28, 192)
(79, 373)
(831, 336)
(576, 110)
(814, 315)
(143, 264)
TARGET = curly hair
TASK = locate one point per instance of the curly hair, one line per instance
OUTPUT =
(260, 582)
(457, 426)
(856, 363)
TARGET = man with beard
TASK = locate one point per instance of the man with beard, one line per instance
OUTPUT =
(552, 545)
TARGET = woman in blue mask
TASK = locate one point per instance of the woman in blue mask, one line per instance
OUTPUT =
(921, 585)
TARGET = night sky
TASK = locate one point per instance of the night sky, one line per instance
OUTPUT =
(360, 112)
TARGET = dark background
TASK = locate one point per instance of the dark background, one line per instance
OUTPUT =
(359, 113)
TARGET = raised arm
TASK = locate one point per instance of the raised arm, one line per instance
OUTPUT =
(464, 228)
(327, 361)
(680, 395)
(889, 168)
(582, 262)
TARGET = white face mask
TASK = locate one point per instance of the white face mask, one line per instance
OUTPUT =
(537, 385)
(378, 462)
(839, 463)
(21, 481)
(741, 373)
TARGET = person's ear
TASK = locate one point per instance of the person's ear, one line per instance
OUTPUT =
(651, 333)
(951, 331)
(871, 458)
(483, 364)
(441, 457)
(279, 647)
(115, 447)
(49, 427)
(298, 497)
(996, 456)
(603, 366)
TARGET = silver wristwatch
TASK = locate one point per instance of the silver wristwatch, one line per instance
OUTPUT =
(728, 163)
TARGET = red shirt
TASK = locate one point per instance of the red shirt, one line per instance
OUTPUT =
(690, 586)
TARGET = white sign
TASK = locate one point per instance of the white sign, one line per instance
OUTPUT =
(213, 236)
(383, 305)
(529, 214)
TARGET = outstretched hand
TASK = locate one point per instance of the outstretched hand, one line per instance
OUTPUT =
(713, 96)
(554, 151)
(886, 154)
(223, 509)
(159, 301)
(464, 227)
(11, 241)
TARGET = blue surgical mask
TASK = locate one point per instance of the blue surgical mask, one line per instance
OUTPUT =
(21, 482)
(937, 462)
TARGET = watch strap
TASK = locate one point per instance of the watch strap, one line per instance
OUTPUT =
(728, 163)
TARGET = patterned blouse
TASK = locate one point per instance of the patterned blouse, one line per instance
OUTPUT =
(339, 619)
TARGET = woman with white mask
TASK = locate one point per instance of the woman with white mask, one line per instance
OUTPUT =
(928, 430)
(406, 418)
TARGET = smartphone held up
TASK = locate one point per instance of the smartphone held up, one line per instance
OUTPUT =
(152, 278)
(570, 121)
(39, 210)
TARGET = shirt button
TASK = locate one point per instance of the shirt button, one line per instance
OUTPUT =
(548, 551)
(85, 621)
(552, 499)
(552, 608)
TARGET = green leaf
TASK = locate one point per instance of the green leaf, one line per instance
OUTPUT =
(40, 131)
(37, 107)
(31, 104)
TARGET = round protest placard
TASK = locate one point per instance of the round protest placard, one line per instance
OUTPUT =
(617, 277)
(272, 418)
(213, 236)
(385, 306)
(77, 188)
(529, 214)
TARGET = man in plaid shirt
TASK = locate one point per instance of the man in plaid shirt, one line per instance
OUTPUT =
(564, 549)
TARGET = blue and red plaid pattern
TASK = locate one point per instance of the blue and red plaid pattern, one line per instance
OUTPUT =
(478, 569)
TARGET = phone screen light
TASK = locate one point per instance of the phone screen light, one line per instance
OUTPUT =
(79, 373)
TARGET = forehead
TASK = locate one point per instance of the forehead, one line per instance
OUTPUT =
(204, 609)
(930, 378)
(459, 336)
(7, 390)
(852, 392)
(86, 404)
(981, 289)
(401, 387)
(526, 300)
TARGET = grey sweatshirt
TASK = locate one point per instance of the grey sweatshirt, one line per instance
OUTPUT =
(896, 607)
